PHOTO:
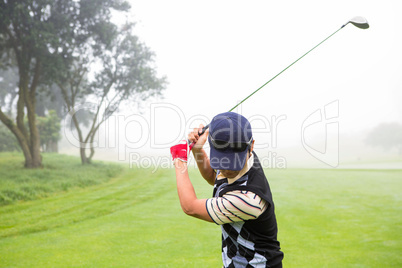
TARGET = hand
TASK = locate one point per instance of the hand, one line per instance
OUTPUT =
(180, 151)
(199, 140)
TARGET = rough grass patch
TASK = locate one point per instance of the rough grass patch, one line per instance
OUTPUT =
(59, 173)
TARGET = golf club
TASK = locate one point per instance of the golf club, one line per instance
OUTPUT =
(359, 22)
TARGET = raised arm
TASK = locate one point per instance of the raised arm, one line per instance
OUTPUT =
(201, 156)
(189, 202)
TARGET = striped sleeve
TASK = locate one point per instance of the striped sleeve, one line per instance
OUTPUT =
(235, 206)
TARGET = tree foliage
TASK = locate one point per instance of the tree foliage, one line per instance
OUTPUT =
(49, 128)
(39, 38)
(121, 71)
(387, 136)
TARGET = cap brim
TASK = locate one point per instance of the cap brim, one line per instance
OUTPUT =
(227, 159)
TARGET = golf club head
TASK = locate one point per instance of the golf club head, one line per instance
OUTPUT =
(359, 22)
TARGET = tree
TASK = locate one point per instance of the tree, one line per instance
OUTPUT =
(49, 98)
(387, 136)
(49, 128)
(15, 26)
(38, 35)
(123, 72)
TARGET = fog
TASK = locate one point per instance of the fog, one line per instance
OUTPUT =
(318, 113)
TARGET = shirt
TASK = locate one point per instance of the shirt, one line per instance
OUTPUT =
(236, 205)
(253, 242)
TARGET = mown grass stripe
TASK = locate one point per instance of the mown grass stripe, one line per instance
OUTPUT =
(84, 204)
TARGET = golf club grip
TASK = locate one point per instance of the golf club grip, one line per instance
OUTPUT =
(199, 133)
(203, 130)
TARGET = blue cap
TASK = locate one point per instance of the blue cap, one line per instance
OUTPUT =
(230, 138)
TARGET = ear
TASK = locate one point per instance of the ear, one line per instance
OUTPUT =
(252, 146)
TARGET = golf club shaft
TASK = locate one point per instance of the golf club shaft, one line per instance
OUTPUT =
(234, 107)
(255, 91)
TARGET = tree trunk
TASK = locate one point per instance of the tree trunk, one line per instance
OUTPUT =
(28, 141)
(35, 139)
(29, 98)
(92, 149)
(84, 159)
(22, 140)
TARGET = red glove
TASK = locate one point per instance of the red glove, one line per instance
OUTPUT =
(180, 151)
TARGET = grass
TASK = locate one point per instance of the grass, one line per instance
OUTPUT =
(340, 218)
(59, 173)
(326, 218)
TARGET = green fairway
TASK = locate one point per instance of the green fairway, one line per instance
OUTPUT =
(326, 218)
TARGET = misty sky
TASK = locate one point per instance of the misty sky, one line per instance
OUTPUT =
(215, 53)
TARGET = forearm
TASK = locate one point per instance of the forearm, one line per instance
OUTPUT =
(185, 188)
(188, 199)
(204, 166)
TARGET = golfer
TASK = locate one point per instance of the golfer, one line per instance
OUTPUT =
(242, 201)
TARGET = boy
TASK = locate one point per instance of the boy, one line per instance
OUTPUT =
(242, 201)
